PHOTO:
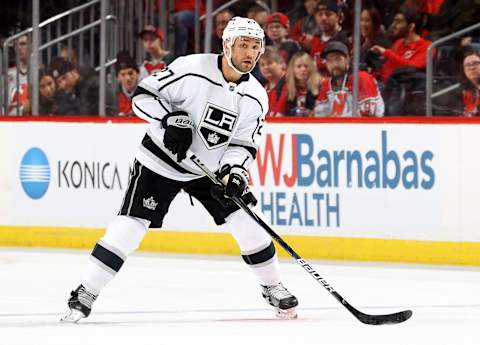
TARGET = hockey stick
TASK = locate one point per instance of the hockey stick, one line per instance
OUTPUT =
(362, 317)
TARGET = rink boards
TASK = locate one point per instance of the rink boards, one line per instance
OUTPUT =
(356, 190)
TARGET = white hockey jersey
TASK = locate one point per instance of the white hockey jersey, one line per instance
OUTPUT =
(227, 117)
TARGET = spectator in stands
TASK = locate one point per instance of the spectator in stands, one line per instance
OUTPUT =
(128, 78)
(18, 78)
(80, 88)
(221, 20)
(409, 49)
(336, 92)
(184, 25)
(276, 29)
(306, 28)
(259, 11)
(471, 82)
(158, 58)
(301, 87)
(273, 68)
(328, 19)
(372, 33)
(47, 103)
(69, 55)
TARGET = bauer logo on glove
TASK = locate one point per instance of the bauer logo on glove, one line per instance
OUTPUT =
(178, 133)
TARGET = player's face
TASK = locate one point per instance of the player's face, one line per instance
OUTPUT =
(128, 77)
(471, 67)
(337, 64)
(301, 69)
(270, 69)
(245, 51)
(47, 86)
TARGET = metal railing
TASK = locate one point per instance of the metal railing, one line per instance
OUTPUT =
(133, 15)
(45, 50)
(429, 89)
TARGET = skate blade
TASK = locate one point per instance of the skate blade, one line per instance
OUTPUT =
(286, 314)
(72, 316)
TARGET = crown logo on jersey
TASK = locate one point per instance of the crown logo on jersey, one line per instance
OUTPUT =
(150, 203)
(213, 138)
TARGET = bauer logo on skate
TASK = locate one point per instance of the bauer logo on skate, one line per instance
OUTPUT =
(311, 181)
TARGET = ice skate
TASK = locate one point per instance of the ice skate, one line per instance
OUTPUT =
(281, 299)
(80, 304)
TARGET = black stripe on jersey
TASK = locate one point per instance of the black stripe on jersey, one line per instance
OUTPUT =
(146, 114)
(261, 108)
(247, 95)
(250, 149)
(148, 143)
(161, 104)
(107, 257)
(141, 91)
(261, 256)
(189, 74)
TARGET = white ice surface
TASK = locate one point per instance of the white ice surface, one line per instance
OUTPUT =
(169, 300)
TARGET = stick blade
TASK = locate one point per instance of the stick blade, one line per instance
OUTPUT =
(384, 319)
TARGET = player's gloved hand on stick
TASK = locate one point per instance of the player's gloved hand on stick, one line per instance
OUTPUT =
(178, 133)
(235, 179)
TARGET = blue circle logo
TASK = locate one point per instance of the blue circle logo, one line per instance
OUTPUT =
(35, 173)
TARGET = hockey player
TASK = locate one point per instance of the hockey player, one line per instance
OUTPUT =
(213, 105)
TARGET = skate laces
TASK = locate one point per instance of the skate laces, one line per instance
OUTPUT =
(278, 291)
(86, 298)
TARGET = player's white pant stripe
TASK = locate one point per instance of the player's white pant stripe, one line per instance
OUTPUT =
(134, 189)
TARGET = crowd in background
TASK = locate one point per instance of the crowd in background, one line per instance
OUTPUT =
(307, 65)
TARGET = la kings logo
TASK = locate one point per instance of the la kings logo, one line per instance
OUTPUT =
(217, 126)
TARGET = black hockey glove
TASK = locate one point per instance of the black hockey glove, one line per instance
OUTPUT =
(236, 181)
(178, 133)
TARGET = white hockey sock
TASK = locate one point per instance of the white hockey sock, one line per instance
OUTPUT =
(267, 273)
(123, 236)
(256, 247)
(95, 278)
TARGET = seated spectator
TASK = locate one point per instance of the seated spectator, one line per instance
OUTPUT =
(272, 67)
(158, 58)
(301, 87)
(409, 49)
(127, 76)
(259, 11)
(276, 29)
(372, 33)
(18, 78)
(471, 83)
(306, 28)
(221, 20)
(336, 92)
(80, 87)
(328, 19)
(47, 103)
